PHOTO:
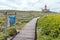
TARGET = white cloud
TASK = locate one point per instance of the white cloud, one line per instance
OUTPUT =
(54, 5)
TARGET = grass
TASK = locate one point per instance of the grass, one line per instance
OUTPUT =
(11, 32)
(20, 26)
(23, 17)
(2, 36)
(48, 27)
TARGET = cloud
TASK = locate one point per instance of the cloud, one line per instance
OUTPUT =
(53, 5)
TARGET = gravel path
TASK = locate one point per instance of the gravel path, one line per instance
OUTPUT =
(28, 31)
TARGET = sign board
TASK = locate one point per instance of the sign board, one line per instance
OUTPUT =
(11, 20)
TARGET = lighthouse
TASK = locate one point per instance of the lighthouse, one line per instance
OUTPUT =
(45, 9)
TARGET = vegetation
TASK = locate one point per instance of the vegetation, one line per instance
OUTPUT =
(22, 18)
(48, 27)
(11, 31)
(2, 36)
(20, 26)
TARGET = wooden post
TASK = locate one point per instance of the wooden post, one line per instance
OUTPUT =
(5, 25)
(15, 22)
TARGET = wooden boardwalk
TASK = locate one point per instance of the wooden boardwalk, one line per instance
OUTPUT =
(28, 31)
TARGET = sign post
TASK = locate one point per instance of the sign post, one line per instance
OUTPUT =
(6, 25)
(12, 20)
(9, 21)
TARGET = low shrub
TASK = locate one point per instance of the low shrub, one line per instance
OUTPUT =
(49, 27)
(11, 31)
(2, 36)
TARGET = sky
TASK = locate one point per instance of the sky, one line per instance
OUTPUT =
(29, 5)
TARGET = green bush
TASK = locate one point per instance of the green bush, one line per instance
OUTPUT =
(49, 27)
(2, 28)
(2, 36)
(11, 31)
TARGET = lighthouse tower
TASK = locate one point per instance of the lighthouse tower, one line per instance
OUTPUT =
(45, 9)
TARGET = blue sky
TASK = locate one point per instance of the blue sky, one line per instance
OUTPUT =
(27, 5)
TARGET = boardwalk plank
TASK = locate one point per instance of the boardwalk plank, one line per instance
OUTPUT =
(28, 31)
